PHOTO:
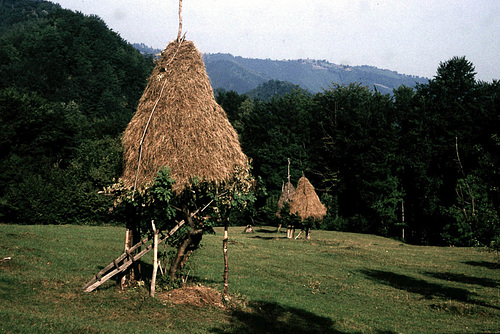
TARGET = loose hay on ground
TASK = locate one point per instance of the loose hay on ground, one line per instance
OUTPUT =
(199, 296)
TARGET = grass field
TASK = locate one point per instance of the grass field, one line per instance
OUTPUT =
(335, 283)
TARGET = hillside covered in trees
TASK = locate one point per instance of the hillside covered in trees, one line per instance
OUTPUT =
(68, 88)
(424, 160)
(244, 74)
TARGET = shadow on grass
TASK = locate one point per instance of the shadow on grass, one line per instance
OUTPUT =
(263, 230)
(267, 238)
(265, 317)
(461, 278)
(485, 264)
(424, 288)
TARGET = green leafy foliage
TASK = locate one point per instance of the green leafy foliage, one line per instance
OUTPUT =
(208, 204)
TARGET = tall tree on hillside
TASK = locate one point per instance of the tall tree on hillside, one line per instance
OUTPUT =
(441, 135)
(358, 152)
(277, 130)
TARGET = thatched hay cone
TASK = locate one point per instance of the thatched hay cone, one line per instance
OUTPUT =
(305, 202)
(188, 131)
(286, 195)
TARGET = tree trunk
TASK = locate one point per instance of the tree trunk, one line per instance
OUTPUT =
(136, 238)
(186, 247)
(403, 219)
(226, 264)
(184, 250)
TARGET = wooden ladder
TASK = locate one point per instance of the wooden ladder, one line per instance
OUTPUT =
(124, 261)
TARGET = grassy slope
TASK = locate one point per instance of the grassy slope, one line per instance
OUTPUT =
(338, 282)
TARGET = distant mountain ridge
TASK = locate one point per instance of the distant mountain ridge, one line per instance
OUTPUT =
(245, 74)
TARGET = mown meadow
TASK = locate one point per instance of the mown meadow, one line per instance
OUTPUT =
(335, 283)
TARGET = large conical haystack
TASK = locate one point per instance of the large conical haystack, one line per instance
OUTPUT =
(181, 125)
(305, 201)
(286, 196)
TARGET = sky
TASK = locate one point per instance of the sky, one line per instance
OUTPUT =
(408, 36)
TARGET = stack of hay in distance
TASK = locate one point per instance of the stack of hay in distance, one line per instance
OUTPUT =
(305, 202)
(188, 132)
(286, 196)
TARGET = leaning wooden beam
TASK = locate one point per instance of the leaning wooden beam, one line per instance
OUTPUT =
(127, 262)
(110, 266)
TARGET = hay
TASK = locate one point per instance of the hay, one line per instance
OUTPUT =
(199, 296)
(286, 196)
(305, 201)
(188, 131)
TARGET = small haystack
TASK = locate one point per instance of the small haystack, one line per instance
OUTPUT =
(179, 124)
(287, 192)
(305, 202)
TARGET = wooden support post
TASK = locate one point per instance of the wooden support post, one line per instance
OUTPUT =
(155, 259)
(226, 263)
(126, 248)
(308, 233)
(161, 269)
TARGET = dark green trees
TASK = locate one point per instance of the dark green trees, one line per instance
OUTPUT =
(68, 87)
(424, 160)
(358, 157)
(451, 120)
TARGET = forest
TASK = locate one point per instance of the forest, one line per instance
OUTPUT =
(421, 164)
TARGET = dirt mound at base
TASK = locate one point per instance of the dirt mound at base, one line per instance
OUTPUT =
(193, 295)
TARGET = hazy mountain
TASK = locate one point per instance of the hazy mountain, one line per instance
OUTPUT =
(146, 50)
(246, 74)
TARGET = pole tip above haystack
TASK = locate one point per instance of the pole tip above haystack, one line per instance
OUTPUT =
(305, 202)
(179, 124)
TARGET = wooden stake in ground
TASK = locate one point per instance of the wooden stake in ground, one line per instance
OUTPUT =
(155, 259)
(226, 263)
(126, 248)
(287, 192)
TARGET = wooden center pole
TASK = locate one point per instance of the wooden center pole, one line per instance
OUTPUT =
(180, 22)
